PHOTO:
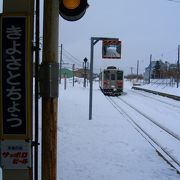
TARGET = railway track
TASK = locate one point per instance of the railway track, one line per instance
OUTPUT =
(176, 136)
(160, 148)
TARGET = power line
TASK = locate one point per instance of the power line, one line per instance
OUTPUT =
(70, 57)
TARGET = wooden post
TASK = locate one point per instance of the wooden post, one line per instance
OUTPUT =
(49, 103)
(73, 68)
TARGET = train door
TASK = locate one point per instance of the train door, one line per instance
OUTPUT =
(113, 78)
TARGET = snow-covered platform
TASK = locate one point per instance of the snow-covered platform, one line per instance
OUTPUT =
(106, 147)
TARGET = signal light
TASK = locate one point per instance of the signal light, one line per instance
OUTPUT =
(71, 4)
(72, 10)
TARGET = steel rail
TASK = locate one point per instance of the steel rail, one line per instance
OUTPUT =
(176, 136)
(161, 150)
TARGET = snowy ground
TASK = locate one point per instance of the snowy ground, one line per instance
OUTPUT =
(164, 85)
(106, 147)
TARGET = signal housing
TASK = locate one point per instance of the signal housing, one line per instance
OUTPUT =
(72, 10)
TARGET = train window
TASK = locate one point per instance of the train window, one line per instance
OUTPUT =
(111, 67)
(119, 75)
(113, 77)
(106, 74)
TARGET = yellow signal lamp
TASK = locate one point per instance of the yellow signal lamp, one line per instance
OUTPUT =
(72, 10)
(71, 4)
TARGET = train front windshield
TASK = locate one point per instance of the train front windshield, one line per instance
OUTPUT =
(113, 77)
(118, 75)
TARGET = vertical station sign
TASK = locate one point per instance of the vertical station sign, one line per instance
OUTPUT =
(15, 85)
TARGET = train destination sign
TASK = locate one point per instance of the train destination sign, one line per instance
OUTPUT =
(111, 49)
(15, 78)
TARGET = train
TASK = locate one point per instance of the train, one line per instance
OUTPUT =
(111, 81)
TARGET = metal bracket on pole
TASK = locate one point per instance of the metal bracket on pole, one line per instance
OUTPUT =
(49, 80)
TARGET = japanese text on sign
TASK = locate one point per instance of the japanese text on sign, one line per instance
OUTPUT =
(15, 154)
(13, 75)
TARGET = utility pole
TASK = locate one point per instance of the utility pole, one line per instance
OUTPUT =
(49, 83)
(131, 77)
(60, 68)
(178, 66)
(73, 68)
(65, 81)
(131, 70)
(137, 68)
(150, 69)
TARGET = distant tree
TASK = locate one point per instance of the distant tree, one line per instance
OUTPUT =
(157, 69)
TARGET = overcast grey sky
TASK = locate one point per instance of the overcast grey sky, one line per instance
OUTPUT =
(144, 26)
